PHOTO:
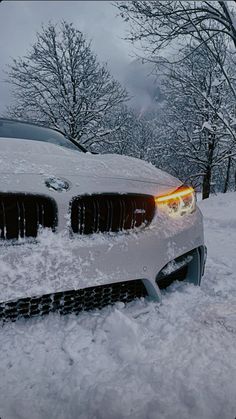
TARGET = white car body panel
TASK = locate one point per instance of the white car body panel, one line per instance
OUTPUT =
(58, 262)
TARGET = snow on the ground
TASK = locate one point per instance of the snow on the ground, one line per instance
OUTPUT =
(176, 360)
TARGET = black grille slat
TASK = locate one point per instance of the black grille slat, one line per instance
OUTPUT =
(109, 215)
(111, 212)
(21, 215)
(3, 221)
(74, 301)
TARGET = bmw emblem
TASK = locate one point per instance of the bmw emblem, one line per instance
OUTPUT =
(57, 184)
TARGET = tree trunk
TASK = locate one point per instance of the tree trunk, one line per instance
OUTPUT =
(226, 185)
(206, 185)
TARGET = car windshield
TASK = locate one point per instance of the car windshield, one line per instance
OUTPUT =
(26, 131)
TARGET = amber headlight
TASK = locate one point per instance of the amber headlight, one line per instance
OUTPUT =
(180, 202)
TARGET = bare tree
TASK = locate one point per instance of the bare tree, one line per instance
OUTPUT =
(60, 83)
(162, 22)
(137, 135)
(157, 24)
(198, 114)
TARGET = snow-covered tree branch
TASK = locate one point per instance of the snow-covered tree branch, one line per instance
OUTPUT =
(159, 23)
(60, 83)
(198, 115)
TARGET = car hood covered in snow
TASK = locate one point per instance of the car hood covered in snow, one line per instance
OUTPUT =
(34, 158)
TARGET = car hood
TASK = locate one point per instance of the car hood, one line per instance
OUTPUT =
(26, 157)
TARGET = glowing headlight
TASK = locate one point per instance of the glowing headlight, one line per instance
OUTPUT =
(180, 202)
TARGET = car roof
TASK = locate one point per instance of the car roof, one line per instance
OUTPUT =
(20, 121)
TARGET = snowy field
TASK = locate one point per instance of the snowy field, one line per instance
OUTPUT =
(176, 360)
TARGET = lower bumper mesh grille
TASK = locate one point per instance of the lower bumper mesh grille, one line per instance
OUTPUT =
(73, 301)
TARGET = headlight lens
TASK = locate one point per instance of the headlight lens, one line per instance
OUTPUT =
(178, 203)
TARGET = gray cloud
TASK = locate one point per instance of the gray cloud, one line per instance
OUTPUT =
(20, 20)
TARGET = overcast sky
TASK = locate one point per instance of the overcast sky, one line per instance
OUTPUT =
(20, 20)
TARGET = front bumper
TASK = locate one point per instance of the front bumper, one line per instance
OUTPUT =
(59, 263)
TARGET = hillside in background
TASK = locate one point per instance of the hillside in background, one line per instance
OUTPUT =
(143, 86)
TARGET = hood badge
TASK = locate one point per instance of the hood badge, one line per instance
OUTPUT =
(57, 184)
(140, 211)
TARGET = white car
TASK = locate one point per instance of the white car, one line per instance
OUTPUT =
(79, 231)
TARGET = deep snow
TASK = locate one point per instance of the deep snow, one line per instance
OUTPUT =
(176, 360)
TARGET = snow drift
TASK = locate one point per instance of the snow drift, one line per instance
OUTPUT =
(145, 360)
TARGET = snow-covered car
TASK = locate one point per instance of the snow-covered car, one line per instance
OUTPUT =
(79, 230)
